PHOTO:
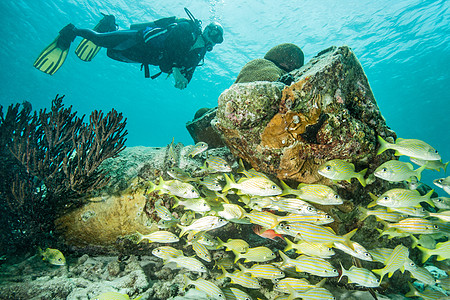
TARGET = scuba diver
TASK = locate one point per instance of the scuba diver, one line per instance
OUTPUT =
(176, 45)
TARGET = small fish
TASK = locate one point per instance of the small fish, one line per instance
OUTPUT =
(396, 171)
(265, 271)
(250, 173)
(313, 265)
(211, 183)
(231, 212)
(167, 224)
(319, 219)
(204, 224)
(394, 262)
(442, 215)
(197, 149)
(393, 233)
(226, 262)
(360, 276)
(410, 211)
(171, 153)
(201, 251)
(313, 294)
(436, 165)
(241, 278)
(237, 245)
(443, 183)
(195, 204)
(442, 202)
(402, 198)
(415, 226)
(409, 147)
(427, 294)
(316, 233)
(424, 240)
(159, 236)
(176, 188)
(187, 218)
(263, 218)
(257, 186)
(298, 284)
(310, 248)
(338, 169)
(442, 251)
(114, 296)
(214, 164)
(256, 254)
(358, 250)
(209, 288)
(317, 193)
(162, 211)
(293, 205)
(380, 214)
(266, 233)
(189, 263)
(52, 256)
(232, 293)
(380, 254)
(419, 273)
(166, 252)
(181, 175)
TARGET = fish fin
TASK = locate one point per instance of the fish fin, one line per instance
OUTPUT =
(183, 229)
(342, 272)
(428, 200)
(380, 272)
(412, 291)
(415, 241)
(364, 213)
(237, 255)
(383, 145)
(177, 201)
(224, 273)
(321, 283)
(187, 281)
(372, 204)
(221, 243)
(284, 257)
(360, 177)
(290, 244)
(241, 168)
(140, 237)
(419, 172)
(347, 238)
(286, 189)
(243, 269)
(229, 183)
(445, 166)
(425, 253)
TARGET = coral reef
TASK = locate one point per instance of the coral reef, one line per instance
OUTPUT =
(286, 56)
(51, 164)
(328, 112)
(259, 70)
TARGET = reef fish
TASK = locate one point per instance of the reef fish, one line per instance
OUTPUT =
(114, 296)
(197, 149)
(209, 288)
(313, 265)
(338, 169)
(310, 248)
(402, 198)
(52, 256)
(443, 183)
(166, 252)
(215, 164)
(409, 147)
(360, 276)
(257, 254)
(317, 193)
(237, 245)
(415, 226)
(442, 251)
(176, 188)
(394, 262)
(265, 271)
(395, 171)
(159, 236)
(232, 293)
(241, 278)
(203, 224)
(256, 186)
(431, 164)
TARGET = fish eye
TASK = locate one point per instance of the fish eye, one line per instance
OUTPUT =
(336, 196)
(287, 227)
(435, 151)
(334, 271)
(330, 249)
(376, 280)
(220, 295)
(412, 264)
(328, 168)
(328, 217)
(367, 254)
(274, 187)
(385, 198)
(384, 169)
(435, 227)
(59, 259)
(309, 208)
(440, 180)
(438, 200)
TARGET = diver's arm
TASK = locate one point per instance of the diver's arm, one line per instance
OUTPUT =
(180, 81)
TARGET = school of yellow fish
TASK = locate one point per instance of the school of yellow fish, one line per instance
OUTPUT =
(290, 212)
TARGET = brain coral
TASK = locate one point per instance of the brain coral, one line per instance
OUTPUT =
(259, 70)
(287, 56)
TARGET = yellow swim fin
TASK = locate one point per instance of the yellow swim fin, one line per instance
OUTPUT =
(87, 49)
(54, 55)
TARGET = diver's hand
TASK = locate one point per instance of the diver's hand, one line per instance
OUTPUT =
(180, 81)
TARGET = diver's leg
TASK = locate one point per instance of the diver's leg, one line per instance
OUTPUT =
(118, 40)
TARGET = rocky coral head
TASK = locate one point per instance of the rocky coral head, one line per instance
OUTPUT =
(286, 56)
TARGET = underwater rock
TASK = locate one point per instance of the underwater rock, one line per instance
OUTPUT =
(259, 69)
(328, 112)
(286, 56)
(201, 131)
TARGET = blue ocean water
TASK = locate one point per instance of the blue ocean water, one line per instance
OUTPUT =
(403, 47)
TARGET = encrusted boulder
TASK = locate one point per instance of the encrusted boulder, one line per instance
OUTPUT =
(200, 128)
(328, 112)
(287, 56)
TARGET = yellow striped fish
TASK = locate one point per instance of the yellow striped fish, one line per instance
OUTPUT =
(319, 219)
(293, 205)
(409, 211)
(231, 212)
(162, 211)
(443, 183)
(211, 183)
(415, 226)
(181, 175)
(312, 294)
(232, 293)
(263, 218)
(159, 236)
(197, 149)
(421, 274)
(442, 251)
(358, 250)
(409, 147)
(214, 164)
(360, 276)
(237, 245)
(186, 262)
(240, 278)
(310, 248)
(257, 186)
(167, 224)
(396, 171)
(403, 198)
(380, 214)
(317, 193)
(427, 294)
(442, 202)
(171, 153)
(436, 165)
(256, 254)
(312, 265)
(201, 251)
(265, 271)
(380, 254)
(298, 284)
(166, 252)
(203, 224)
(394, 262)
(176, 188)
(195, 204)
(338, 169)
(209, 288)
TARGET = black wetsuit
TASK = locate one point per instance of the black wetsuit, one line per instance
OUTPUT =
(171, 48)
